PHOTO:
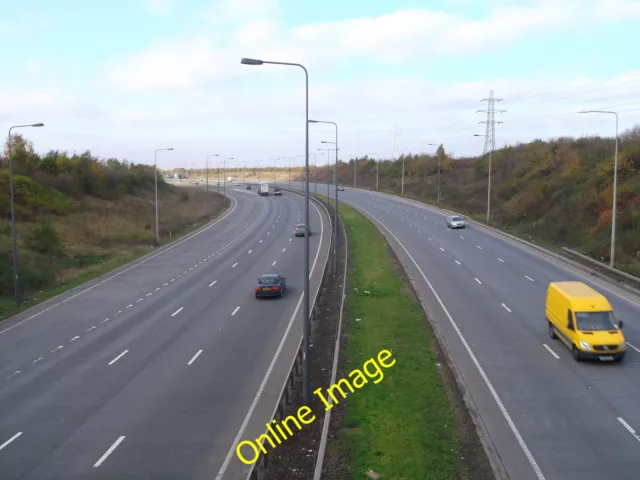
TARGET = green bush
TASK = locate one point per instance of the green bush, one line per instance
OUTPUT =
(44, 239)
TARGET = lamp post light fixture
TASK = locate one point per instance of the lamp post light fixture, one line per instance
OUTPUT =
(489, 183)
(612, 257)
(306, 293)
(155, 171)
(14, 237)
(335, 216)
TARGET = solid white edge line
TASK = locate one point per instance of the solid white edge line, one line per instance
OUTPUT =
(226, 215)
(484, 376)
(551, 351)
(108, 452)
(626, 425)
(194, 357)
(234, 312)
(245, 422)
(506, 308)
(177, 312)
(118, 357)
(634, 347)
(10, 440)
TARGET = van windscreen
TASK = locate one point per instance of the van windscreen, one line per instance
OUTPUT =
(587, 321)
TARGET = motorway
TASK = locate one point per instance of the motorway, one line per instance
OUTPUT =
(543, 415)
(153, 370)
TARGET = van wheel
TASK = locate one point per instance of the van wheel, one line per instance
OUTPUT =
(620, 359)
(552, 332)
(576, 353)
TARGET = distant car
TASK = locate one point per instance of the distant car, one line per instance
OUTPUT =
(455, 221)
(300, 230)
(271, 285)
(278, 192)
(248, 187)
(341, 189)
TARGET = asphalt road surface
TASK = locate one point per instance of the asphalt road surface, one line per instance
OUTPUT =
(153, 370)
(545, 415)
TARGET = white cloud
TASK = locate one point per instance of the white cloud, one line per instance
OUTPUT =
(404, 36)
(160, 6)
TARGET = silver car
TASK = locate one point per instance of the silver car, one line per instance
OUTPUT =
(455, 221)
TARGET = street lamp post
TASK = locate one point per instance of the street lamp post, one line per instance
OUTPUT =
(489, 183)
(335, 216)
(155, 171)
(207, 188)
(612, 257)
(306, 294)
(14, 236)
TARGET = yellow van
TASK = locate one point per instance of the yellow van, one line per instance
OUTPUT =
(583, 319)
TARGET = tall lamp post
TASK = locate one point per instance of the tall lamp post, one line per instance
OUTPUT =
(612, 258)
(207, 175)
(14, 238)
(489, 183)
(155, 171)
(335, 232)
(315, 172)
(306, 313)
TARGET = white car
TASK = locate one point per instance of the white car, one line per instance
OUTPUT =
(455, 221)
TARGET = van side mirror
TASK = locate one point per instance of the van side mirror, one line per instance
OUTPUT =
(620, 324)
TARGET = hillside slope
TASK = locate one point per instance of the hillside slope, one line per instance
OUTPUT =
(78, 216)
(557, 192)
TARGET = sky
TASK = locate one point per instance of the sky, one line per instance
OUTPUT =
(126, 77)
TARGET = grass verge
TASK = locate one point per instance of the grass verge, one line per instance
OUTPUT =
(405, 427)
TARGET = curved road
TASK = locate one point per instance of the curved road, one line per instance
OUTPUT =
(153, 370)
(547, 416)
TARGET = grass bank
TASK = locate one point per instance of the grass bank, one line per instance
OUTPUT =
(58, 252)
(405, 427)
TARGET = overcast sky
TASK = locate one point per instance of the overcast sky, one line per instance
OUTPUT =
(124, 77)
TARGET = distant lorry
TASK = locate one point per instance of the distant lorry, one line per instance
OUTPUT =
(263, 189)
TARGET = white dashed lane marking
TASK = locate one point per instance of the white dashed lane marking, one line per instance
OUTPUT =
(528, 278)
(234, 312)
(478, 281)
(501, 259)
(177, 311)
(457, 262)
(108, 452)
(10, 440)
(551, 351)
(213, 283)
(506, 308)
(118, 357)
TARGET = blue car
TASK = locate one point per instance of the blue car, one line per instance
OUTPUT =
(271, 285)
